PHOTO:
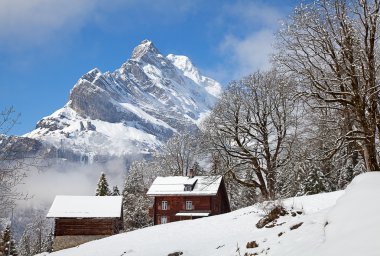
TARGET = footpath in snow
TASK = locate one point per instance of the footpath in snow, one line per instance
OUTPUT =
(339, 223)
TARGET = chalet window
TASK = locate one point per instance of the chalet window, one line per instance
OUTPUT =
(164, 205)
(189, 205)
(188, 188)
(164, 219)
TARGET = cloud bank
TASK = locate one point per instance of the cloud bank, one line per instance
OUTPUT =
(68, 179)
(249, 46)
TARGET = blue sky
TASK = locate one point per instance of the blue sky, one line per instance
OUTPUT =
(47, 45)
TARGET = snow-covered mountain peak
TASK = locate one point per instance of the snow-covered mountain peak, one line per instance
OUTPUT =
(143, 48)
(184, 64)
(146, 100)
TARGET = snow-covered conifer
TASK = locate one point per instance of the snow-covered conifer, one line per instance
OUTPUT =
(135, 201)
(314, 183)
(115, 191)
(103, 189)
(8, 245)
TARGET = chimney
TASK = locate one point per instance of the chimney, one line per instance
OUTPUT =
(191, 173)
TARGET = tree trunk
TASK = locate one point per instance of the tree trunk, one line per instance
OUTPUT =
(370, 156)
(271, 185)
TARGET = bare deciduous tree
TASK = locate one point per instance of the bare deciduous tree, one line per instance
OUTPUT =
(332, 47)
(9, 167)
(179, 154)
(14, 162)
(253, 124)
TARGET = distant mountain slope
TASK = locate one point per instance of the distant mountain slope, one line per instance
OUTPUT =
(130, 111)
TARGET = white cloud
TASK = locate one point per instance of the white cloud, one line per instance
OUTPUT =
(36, 21)
(254, 13)
(29, 23)
(250, 53)
(248, 46)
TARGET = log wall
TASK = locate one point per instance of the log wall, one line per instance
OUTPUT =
(86, 226)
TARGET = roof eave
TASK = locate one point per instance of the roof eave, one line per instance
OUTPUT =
(182, 194)
(86, 217)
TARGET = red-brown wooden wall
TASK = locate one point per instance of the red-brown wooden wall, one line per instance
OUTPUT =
(217, 204)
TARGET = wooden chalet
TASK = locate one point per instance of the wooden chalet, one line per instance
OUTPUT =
(79, 219)
(180, 198)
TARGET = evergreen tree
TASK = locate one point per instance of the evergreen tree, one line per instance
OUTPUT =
(115, 191)
(314, 180)
(8, 245)
(102, 189)
(135, 201)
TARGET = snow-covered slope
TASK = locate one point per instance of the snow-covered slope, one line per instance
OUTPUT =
(353, 225)
(338, 223)
(132, 110)
(218, 235)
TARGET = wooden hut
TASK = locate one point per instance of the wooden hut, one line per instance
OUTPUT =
(181, 198)
(79, 219)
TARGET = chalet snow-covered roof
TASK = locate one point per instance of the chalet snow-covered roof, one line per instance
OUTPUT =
(86, 207)
(174, 185)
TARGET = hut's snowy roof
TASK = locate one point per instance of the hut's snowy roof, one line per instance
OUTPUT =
(174, 185)
(86, 207)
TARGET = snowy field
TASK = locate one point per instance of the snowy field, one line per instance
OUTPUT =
(339, 223)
